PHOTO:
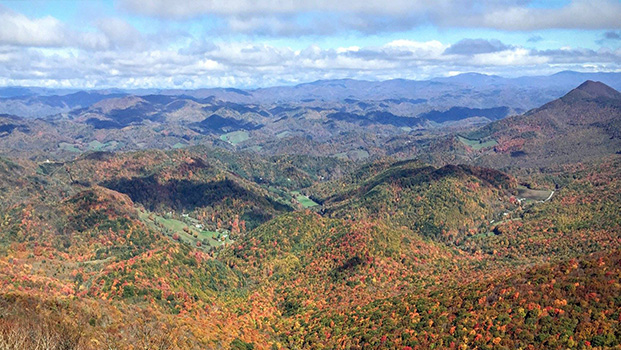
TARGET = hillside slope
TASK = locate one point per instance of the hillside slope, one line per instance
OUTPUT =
(583, 125)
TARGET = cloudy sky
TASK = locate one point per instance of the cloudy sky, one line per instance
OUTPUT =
(254, 43)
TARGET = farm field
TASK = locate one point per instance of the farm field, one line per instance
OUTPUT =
(186, 232)
(304, 200)
(275, 175)
(533, 195)
(477, 144)
(354, 155)
(235, 137)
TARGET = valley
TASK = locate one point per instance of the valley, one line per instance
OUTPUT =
(310, 175)
(183, 222)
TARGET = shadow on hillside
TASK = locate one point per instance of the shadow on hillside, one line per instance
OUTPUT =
(185, 195)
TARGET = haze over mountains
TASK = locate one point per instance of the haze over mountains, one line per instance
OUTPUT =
(310, 175)
(466, 90)
(421, 124)
(395, 214)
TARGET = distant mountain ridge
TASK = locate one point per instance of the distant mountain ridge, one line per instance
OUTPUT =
(472, 90)
(171, 221)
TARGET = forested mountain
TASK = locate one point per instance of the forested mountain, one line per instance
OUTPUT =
(470, 90)
(584, 124)
(171, 221)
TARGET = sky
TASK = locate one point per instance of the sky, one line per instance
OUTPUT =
(257, 43)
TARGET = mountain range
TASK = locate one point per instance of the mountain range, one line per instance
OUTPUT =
(471, 90)
(349, 129)
(378, 220)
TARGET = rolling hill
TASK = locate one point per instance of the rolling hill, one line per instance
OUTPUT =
(584, 124)
(110, 237)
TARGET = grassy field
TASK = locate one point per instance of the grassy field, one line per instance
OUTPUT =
(304, 200)
(92, 146)
(255, 148)
(235, 137)
(359, 154)
(98, 146)
(341, 155)
(533, 195)
(176, 226)
(477, 144)
(68, 147)
(353, 155)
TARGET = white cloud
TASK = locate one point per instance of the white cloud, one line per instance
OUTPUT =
(246, 64)
(323, 17)
(513, 58)
(109, 33)
(194, 8)
(476, 46)
(113, 53)
(17, 29)
(408, 49)
(582, 14)
(118, 33)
